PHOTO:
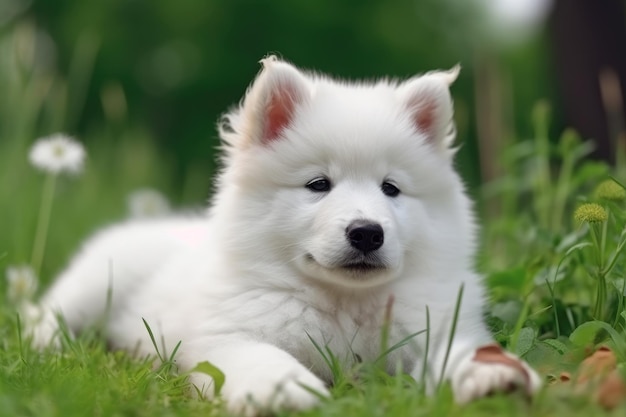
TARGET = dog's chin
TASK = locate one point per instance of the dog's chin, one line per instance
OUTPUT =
(351, 274)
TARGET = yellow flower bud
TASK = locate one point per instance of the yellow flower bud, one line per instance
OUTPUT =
(610, 190)
(590, 213)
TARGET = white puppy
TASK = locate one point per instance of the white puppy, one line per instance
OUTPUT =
(335, 198)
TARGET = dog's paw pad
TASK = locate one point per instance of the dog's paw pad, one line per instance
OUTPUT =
(492, 370)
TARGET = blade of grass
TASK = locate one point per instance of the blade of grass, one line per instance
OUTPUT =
(455, 318)
(154, 343)
(330, 359)
(20, 340)
(426, 351)
(398, 345)
(386, 328)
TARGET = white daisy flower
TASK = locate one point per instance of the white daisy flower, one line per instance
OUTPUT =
(22, 283)
(58, 153)
(146, 203)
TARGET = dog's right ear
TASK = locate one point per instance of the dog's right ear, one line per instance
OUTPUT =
(273, 100)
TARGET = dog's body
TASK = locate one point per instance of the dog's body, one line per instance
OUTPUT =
(337, 203)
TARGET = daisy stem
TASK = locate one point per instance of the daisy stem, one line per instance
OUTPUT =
(45, 210)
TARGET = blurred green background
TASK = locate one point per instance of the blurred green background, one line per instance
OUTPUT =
(174, 67)
(143, 82)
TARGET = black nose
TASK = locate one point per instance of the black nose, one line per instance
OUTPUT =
(365, 236)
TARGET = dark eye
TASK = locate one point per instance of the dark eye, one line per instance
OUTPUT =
(319, 185)
(389, 189)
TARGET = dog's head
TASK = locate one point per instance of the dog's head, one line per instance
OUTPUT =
(351, 184)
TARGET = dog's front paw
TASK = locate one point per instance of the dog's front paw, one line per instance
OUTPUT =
(272, 390)
(489, 370)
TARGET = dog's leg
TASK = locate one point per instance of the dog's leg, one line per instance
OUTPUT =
(473, 364)
(80, 296)
(462, 351)
(489, 369)
(113, 264)
(477, 369)
(260, 378)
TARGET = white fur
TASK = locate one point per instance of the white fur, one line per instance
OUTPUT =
(245, 287)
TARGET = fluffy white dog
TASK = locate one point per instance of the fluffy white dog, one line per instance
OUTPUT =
(334, 199)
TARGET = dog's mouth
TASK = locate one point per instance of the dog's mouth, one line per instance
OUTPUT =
(353, 266)
(362, 267)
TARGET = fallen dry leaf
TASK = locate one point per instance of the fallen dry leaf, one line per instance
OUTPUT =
(598, 377)
(565, 377)
(612, 391)
(597, 366)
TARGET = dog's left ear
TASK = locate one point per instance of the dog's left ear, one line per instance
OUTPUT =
(428, 101)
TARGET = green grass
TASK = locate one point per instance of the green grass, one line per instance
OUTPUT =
(85, 379)
(557, 286)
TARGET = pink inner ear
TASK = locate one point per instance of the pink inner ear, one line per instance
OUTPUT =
(279, 112)
(423, 113)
